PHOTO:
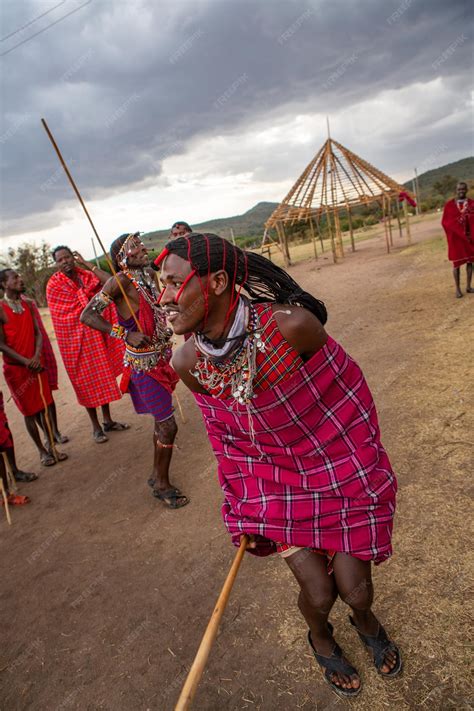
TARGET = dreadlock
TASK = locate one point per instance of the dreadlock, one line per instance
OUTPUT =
(262, 280)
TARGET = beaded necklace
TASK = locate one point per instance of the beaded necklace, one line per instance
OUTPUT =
(146, 358)
(238, 370)
(15, 304)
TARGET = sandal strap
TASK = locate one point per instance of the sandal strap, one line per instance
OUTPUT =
(334, 663)
(379, 644)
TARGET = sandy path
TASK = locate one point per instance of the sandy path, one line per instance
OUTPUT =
(105, 594)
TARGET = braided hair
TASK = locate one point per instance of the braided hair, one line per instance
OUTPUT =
(262, 280)
(115, 248)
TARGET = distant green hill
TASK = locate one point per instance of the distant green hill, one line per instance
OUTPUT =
(246, 227)
(435, 187)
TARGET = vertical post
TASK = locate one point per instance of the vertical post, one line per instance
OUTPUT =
(285, 244)
(232, 235)
(349, 217)
(282, 243)
(313, 237)
(398, 218)
(417, 193)
(407, 221)
(385, 223)
(331, 236)
(337, 227)
(389, 215)
(318, 230)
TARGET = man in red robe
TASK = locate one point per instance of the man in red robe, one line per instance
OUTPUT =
(458, 223)
(21, 343)
(92, 360)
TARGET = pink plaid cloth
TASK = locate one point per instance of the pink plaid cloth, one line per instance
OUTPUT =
(93, 360)
(313, 472)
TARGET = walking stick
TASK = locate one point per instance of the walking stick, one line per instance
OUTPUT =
(5, 502)
(79, 197)
(9, 474)
(192, 681)
(48, 422)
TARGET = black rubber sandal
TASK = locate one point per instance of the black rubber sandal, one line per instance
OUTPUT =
(335, 663)
(170, 498)
(378, 645)
(115, 426)
(21, 476)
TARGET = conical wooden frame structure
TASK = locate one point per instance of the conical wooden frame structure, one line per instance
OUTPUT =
(336, 181)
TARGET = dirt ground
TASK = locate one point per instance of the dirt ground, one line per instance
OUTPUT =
(105, 594)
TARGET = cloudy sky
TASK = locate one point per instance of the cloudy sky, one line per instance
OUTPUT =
(195, 109)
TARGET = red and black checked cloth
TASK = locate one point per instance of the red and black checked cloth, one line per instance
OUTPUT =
(93, 360)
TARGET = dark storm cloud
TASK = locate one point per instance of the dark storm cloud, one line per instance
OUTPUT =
(125, 85)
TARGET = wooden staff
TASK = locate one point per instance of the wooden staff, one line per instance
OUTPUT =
(109, 262)
(5, 502)
(9, 474)
(48, 421)
(190, 685)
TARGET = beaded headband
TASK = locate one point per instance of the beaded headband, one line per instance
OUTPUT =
(121, 257)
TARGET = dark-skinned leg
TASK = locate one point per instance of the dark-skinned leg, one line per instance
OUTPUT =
(469, 289)
(106, 413)
(317, 596)
(163, 439)
(354, 583)
(457, 281)
(53, 418)
(109, 423)
(31, 426)
(96, 427)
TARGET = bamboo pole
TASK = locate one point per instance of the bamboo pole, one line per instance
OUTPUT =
(285, 244)
(313, 237)
(351, 230)
(192, 681)
(331, 236)
(407, 221)
(5, 502)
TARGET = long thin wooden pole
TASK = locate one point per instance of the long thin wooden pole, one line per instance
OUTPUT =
(48, 422)
(351, 230)
(313, 237)
(5, 502)
(9, 474)
(407, 221)
(384, 218)
(109, 262)
(192, 681)
(79, 197)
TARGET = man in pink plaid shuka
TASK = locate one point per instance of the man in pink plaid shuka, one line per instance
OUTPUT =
(313, 472)
(294, 429)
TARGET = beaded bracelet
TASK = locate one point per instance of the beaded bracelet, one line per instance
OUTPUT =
(118, 332)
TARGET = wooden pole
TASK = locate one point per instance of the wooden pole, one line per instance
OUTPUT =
(389, 216)
(282, 247)
(48, 422)
(313, 237)
(109, 262)
(192, 681)
(79, 197)
(285, 243)
(398, 219)
(318, 230)
(385, 224)
(407, 221)
(5, 502)
(9, 474)
(351, 230)
(333, 245)
(337, 227)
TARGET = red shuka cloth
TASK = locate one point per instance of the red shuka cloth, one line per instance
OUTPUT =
(459, 228)
(47, 352)
(310, 469)
(22, 382)
(93, 360)
(6, 440)
(163, 373)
